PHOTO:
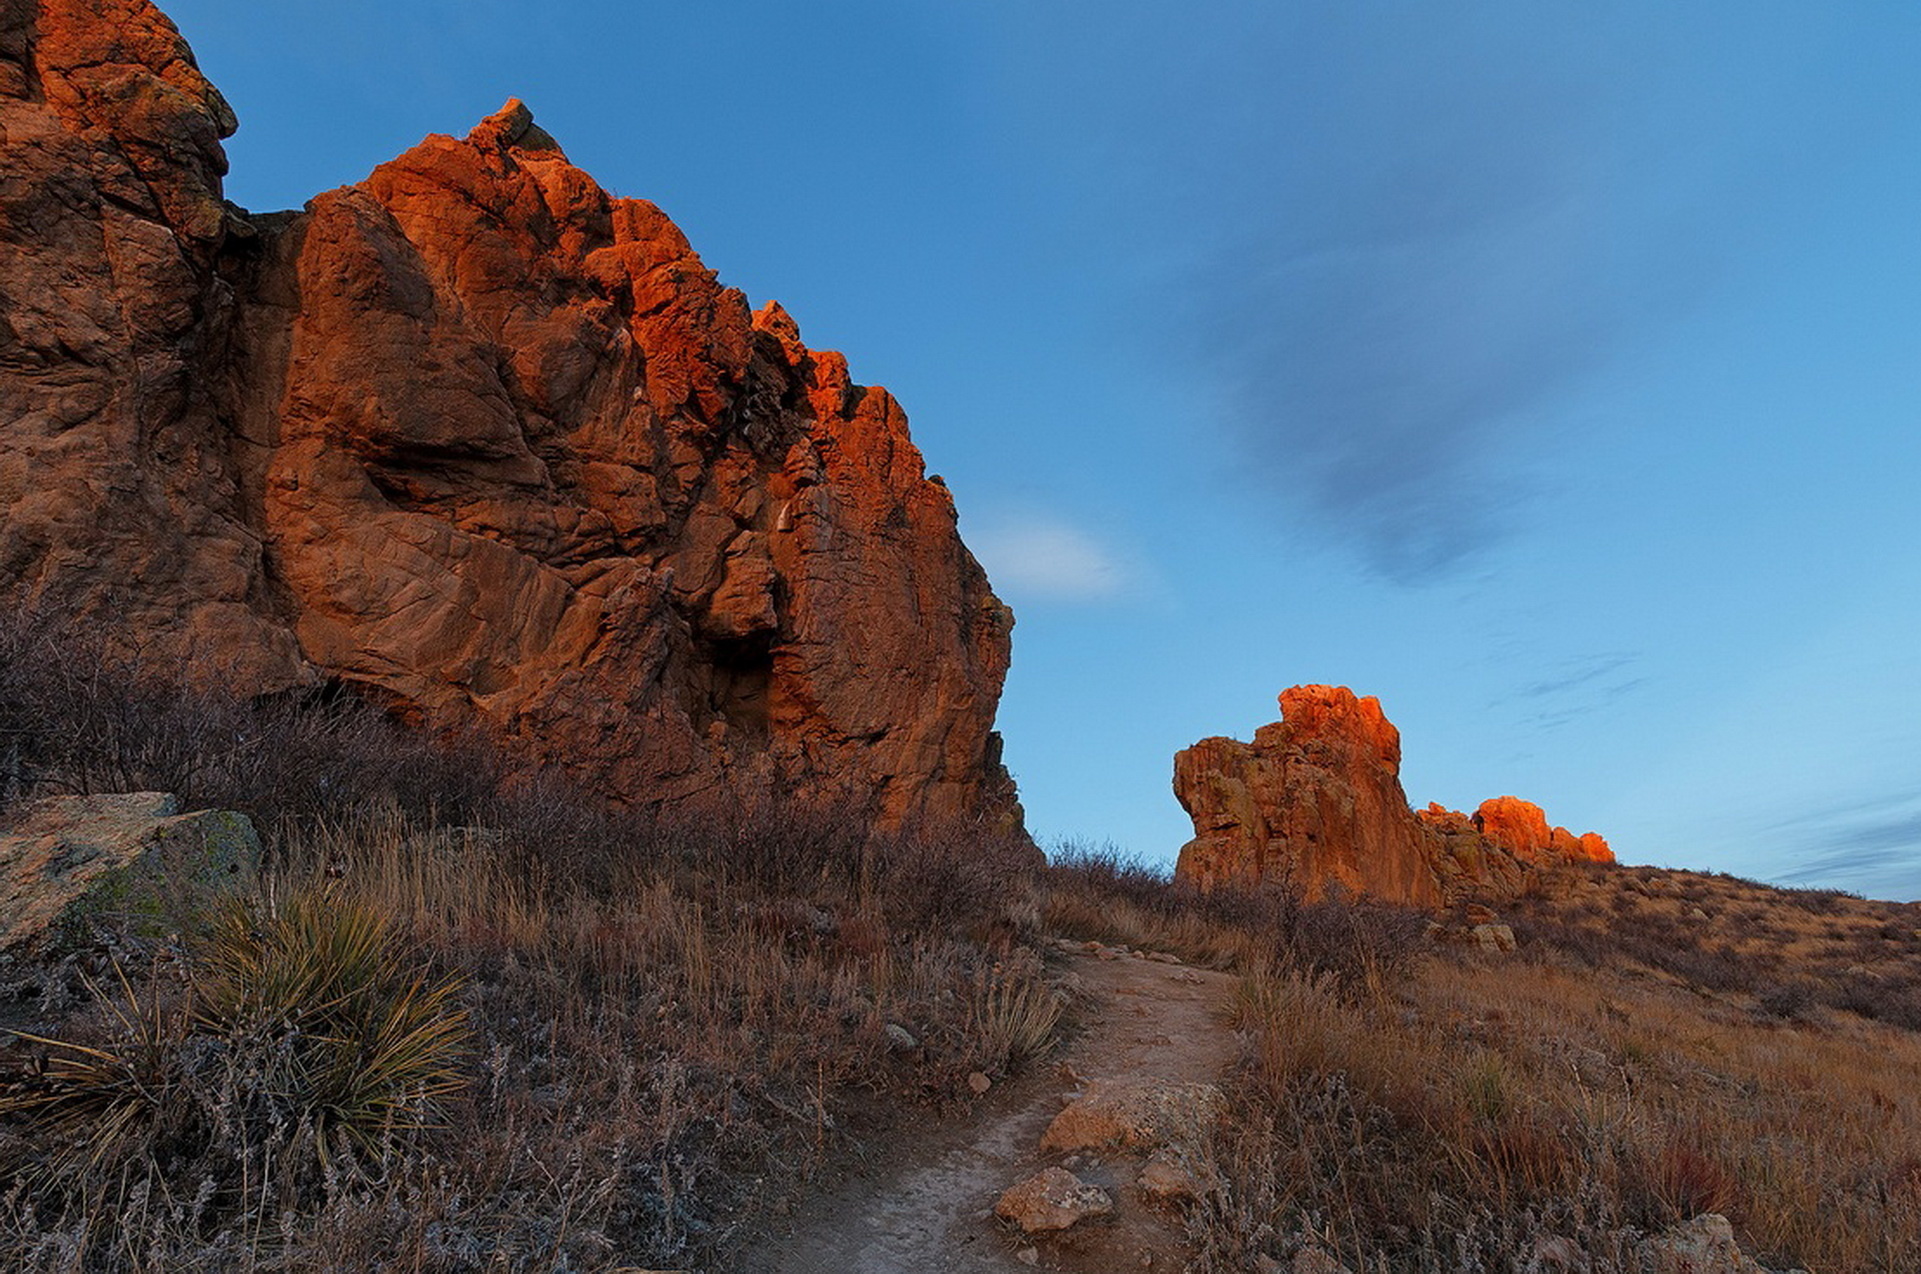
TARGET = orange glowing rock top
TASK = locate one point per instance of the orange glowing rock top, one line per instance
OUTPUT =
(1521, 828)
(1315, 801)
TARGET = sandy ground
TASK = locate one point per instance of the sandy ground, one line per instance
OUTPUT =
(927, 1206)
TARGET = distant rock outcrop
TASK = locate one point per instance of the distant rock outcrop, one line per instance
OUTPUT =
(473, 438)
(1316, 800)
(1521, 828)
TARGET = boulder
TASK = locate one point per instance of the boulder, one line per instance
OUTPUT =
(1704, 1245)
(1133, 1114)
(474, 439)
(71, 866)
(1493, 939)
(1314, 1260)
(1172, 1176)
(1052, 1200)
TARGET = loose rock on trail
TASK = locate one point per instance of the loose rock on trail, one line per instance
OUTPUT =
(1121, 1106)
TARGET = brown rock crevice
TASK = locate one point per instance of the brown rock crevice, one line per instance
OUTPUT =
(472, 436)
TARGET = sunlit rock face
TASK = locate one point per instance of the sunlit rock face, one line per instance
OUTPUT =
(1315, 801)
(1521, 828)
(475, 438)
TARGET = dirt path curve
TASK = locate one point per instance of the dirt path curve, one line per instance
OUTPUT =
(928, 1208)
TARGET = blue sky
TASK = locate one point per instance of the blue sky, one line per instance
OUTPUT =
(1551, 371)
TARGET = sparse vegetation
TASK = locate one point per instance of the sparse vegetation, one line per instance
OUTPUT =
(1467, 1112)
(588, 1039)
(476, 1021)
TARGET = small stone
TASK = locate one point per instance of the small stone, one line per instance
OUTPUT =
(1051, 1200)
(1493, 939)
(1028, 1256)
(978, 1083)
(900, 1039)
(1554, 1254)
(1704, 1245)
(1168, 1177)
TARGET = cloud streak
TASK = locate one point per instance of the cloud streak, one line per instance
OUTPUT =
(1873, 844)
(1045, 558)
(1457, 220)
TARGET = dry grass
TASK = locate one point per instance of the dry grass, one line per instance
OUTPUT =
(653, 1067)
(1787, 953)
(669, 1028)
(1462, 1112)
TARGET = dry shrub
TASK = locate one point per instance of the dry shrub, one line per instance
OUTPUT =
(1363, 946)
(1016, 1014)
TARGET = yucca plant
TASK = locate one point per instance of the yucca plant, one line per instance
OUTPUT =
(97, 1099)
(297, 1026)
(1015, 1015)
(361, 1045)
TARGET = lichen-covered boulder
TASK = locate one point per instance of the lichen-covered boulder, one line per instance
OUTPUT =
(75, 866)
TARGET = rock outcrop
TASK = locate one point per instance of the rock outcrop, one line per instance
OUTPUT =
(1316, 801)
(1521, 828)
(472, 438)
(72, 865)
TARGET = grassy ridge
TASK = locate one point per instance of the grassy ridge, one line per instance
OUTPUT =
(648, 1033)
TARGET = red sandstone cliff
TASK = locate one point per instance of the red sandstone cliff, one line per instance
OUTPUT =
(1316, 801)
(470, 436)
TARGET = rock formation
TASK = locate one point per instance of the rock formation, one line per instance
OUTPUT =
(1316, 801)
(74, 865)
(472, 438)
(1521, 828)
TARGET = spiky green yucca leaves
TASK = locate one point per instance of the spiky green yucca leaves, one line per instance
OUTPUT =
(104, 1097)
(299, 1026)
(367, 1046)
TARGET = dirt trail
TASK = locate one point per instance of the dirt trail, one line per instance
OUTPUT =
(928, 1210)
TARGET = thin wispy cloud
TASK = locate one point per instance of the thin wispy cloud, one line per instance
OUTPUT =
(1576, 689)
(1872, 845)
(1464, 216)
(1045, 558)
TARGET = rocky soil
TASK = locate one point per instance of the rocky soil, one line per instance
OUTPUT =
(1118, 1107)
